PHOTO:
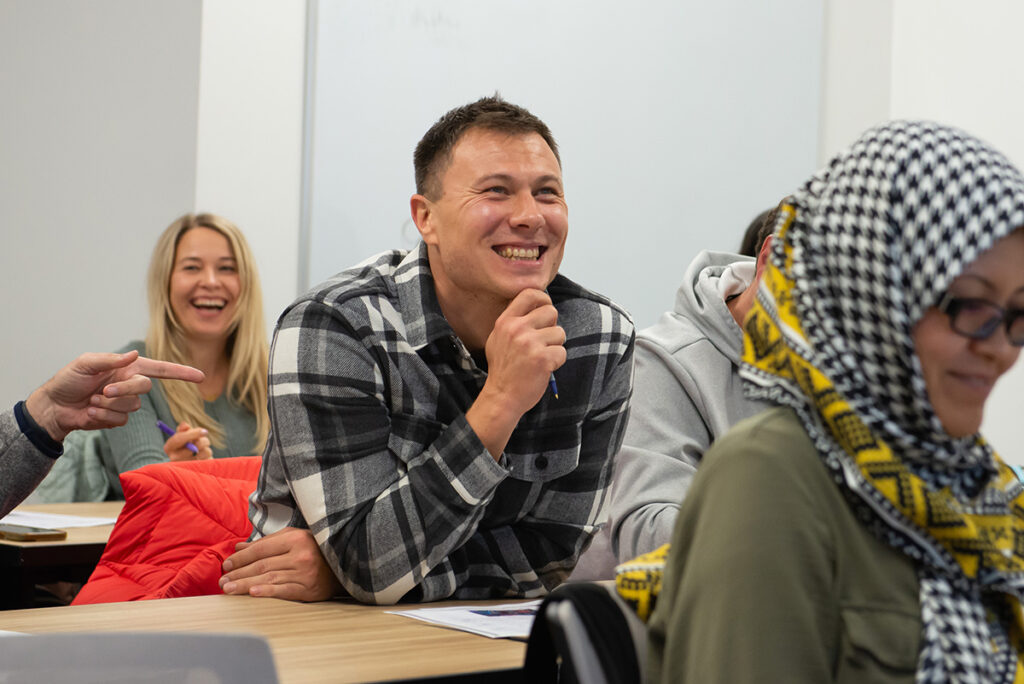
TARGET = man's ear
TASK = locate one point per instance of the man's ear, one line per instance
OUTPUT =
(422, 210)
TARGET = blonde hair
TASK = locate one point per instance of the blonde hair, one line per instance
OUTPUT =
(247, 348)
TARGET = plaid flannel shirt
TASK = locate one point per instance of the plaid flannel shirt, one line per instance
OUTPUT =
(371, 450)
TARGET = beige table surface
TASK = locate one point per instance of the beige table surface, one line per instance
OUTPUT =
(334, 641)
(76, 535)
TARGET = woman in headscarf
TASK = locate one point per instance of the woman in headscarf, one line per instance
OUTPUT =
(862, 531)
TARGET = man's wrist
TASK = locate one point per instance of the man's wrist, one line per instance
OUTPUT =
(500, 406)
(493, 421)
(41, 437)
(43, 410)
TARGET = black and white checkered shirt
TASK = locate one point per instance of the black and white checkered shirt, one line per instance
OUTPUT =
(370, 448)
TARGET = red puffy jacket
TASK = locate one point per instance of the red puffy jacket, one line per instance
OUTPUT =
(179, 522)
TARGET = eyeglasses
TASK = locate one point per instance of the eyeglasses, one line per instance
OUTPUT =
(979, 318)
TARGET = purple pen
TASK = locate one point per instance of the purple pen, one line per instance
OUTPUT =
(168, 430)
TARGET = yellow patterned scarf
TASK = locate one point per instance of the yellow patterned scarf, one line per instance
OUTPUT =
(638, 581)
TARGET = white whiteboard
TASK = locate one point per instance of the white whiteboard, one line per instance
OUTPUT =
(677, 121)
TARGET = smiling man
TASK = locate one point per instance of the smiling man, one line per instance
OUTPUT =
(419, 450)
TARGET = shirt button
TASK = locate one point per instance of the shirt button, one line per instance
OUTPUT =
(541, 462)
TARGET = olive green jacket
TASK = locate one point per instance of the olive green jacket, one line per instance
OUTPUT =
(772, 578)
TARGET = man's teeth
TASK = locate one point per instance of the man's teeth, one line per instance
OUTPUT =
(532, 253)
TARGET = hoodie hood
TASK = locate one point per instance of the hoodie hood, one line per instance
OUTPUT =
(700, 300)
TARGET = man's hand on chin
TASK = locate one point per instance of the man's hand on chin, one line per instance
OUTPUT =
(523, 349)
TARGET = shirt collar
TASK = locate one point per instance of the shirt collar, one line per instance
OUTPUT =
(417, 300)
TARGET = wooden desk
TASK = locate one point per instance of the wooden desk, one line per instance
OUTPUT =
(333, 641)
(25, 564)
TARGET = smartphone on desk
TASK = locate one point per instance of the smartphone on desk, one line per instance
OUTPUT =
(25, 533)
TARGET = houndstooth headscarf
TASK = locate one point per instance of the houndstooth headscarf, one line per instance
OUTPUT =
(863, 250)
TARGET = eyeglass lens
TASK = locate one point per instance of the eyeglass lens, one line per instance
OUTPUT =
(978, 318)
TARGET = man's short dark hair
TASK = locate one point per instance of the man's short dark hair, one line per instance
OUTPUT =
(434, 150)
(758, 231)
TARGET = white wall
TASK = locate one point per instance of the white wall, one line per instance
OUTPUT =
(117, 117)
(249, 142)
(946, 60)
(677, 121)
(97, 155)
(857, 71)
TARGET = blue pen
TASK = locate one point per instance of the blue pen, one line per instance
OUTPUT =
(169, 431)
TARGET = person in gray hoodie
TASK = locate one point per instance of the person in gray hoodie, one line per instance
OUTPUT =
(688, 393)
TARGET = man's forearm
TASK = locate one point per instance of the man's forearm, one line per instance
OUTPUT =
(389, 541)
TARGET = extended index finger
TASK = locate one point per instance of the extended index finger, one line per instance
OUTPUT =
(166, 370)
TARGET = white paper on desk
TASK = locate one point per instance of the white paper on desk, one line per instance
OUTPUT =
(505, 621)
(57, 521)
